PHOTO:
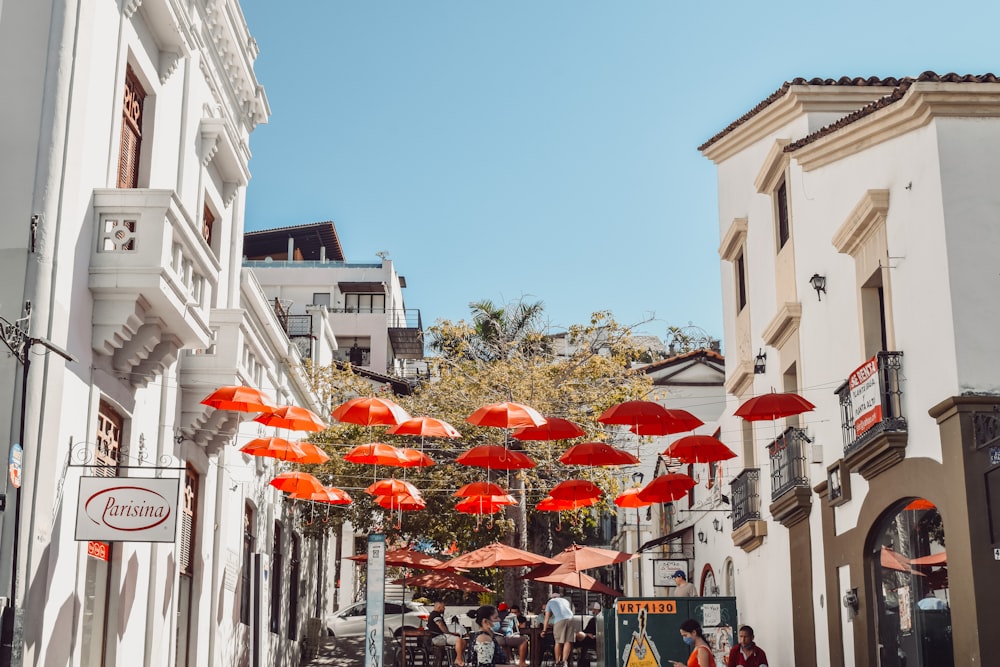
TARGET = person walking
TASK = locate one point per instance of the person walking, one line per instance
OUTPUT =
(701, 652)
(559, 611)
(746, 653)
(684, 588)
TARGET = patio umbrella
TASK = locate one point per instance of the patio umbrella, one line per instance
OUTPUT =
(554, 428)
(328, 494)
(296, 482)
(497, 555)
(550, 504)
(674, 421)
(577, 580)
(392, 487)
(940, 558)
(239, 399)
(495, 457)
(484, 504)
(773, 406)
(480, 489)
(425, 427)
(444, 580)
(896, 561)
(666, 488)
(580, 557)
(506, 415)
(376, 453)
(699, 449)
(573, 489)
(370, 411)
(291, 417)
(597, 454)
(415, 458)
(404, 557)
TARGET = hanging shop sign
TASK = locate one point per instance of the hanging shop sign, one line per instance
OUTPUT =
(14, 465)
(866, 399)
(127, 509)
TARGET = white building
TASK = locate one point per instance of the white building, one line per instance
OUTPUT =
(124, 168)
(859, 230)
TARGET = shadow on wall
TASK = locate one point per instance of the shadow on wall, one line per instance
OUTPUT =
(126, 597)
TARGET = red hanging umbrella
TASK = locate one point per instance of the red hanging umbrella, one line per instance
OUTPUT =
(497, 555)
(328, 494)
(629, 498)
(392, 487)
(274, 448)
(554, 428)
(444, 580)
(495, 457)
(403, 502)
(296, 482)
(550, 504)
(573, 489)
(480, 489)
(376, 453)
(773, 406)
(291, 417)
(370, 411)
(484, 504)
(597, 454)
(240, 399)
(675, 421)
(415, 458)
(666, 488)
(312, 453)
(506, 415)
(425, 427)
(699, 449)
(920, 504)
(631, 413)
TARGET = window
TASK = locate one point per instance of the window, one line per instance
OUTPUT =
(128, 160)
(276, 566)
(741, 282)
(781, 204)
(873, 319)
(294, 582)
(207, 222)
(321, 299)
(249, 540)
(109, 441)
(364, 303)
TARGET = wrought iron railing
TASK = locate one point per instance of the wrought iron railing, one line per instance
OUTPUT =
(890, 366)
(746, 497)
(789, 467)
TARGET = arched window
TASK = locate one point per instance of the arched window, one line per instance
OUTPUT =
(910, 568)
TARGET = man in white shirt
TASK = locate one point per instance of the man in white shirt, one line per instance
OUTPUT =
(685, 589)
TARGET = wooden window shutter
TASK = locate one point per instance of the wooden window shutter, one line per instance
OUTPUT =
(207, 221)
(109, 440)
(128, 161)
(188, 515)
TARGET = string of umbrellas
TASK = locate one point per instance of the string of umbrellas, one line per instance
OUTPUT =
(643, 418)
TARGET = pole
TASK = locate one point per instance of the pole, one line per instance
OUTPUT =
(638, 543)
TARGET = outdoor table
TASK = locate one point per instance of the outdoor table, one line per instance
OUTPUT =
(417, 634)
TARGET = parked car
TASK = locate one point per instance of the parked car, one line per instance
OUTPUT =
(351, 621)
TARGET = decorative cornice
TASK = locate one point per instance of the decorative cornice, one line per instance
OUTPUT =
(130, 7)
(792, 507)
(862, 221)
(784, 324)
(734, 239)
(740, 380)
(750, 535)
(168, 64)
(773, 168)
(209, 147)
(881, 453)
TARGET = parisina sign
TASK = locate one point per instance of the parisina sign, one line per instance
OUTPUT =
(127, 509)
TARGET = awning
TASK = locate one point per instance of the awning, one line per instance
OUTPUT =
(679, 533)
(361, 288)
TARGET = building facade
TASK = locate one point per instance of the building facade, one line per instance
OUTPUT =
(857, 225)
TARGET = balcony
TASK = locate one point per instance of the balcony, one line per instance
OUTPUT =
(748, 528)
(152, 277)
(791, 495)
(406, 333)
(874, 434)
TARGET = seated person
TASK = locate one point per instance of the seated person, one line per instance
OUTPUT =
(442, 636)
(508, 635)
(586, 640)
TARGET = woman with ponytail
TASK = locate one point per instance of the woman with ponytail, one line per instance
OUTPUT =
(701, 653)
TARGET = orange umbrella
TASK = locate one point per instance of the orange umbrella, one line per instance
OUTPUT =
(402, 502)
(445, 580)
(506, 415)
(575, 580)
(674, 421)
(920, 504)
(773, 406)
(313, 453)
(554, 428)
(484, 504)
(667, 488)
(425, 427)
(275, 448)
(376, 453)
(940, 558)
(240, 399)
(370, 411)
(580, 557)
(415, 459)
(630, 498)
(404, 557)
(495, 457)
(480, 489)
(550, 504)
(328, 494)
(497, 555)
(597, 454)
(296, 482)
(392, 487)
(291, 417)
(896, 561)
(631, 413)
(699, 449)
(573, 489)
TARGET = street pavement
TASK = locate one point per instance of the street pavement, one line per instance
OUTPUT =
(343, 653)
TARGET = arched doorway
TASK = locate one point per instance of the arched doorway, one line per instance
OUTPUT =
(910, 575)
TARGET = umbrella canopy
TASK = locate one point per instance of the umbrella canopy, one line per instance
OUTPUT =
(240, 399)
(597, 454)
(480, 489)
(498, 555)
(495, 457)
(404, 557)
(630, 498)
(580, 557)
(415, 458)
(312, 453)
(392, 487)
(633, 412)
(506, 415)
(573, 489)
(554, 428)
(377, 453)
(425, 427)
(666, 488)
(920, 504)
(699, 449)
(328, 494)
(896, 561)
(274, 448)
(578, 580)
(674, 421)
(403, 502)
(550, 504)
(769, 407)
(296, 482)
(445, 580)
(940, 558)
(484, 504)
(370, 411)
(291, 417)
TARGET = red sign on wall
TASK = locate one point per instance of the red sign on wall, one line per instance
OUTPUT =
(866, 399)
(97, 550)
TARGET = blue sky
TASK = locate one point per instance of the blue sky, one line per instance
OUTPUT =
(547, 149)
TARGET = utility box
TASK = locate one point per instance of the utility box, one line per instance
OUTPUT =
(647, 630)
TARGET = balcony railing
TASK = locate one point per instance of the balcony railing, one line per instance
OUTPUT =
(746, 497)
(891, 400)
(789, 468)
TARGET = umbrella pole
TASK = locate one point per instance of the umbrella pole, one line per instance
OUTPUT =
(638, 538)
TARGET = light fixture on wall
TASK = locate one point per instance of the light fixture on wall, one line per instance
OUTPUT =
(701, 537)
(818, 283)
(717, 525)
(760, 363)
(637, 477)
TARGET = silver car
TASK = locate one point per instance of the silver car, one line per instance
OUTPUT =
(351, 621)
